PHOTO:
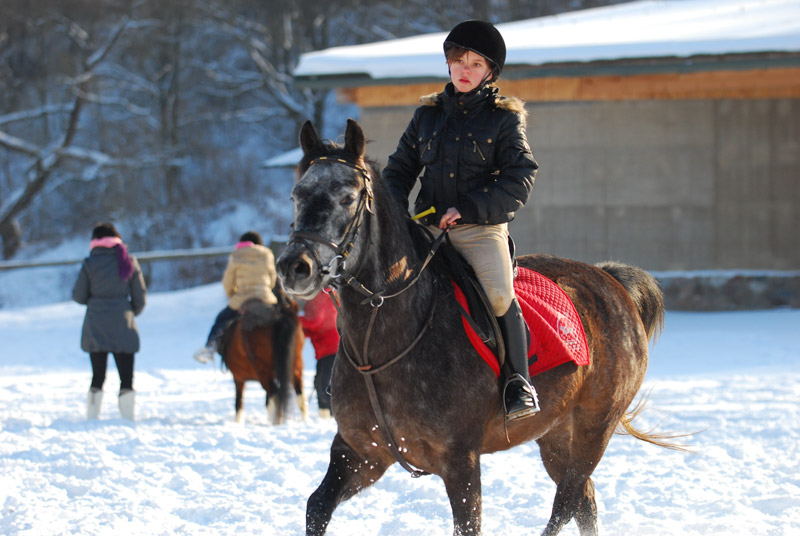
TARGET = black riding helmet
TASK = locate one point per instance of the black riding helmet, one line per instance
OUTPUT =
(482, 38)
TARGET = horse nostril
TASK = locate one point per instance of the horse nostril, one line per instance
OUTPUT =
(301, 269)
(294, 268)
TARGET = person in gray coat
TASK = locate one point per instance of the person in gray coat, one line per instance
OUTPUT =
(112, 287)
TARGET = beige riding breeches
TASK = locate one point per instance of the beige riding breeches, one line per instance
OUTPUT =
(485, 248)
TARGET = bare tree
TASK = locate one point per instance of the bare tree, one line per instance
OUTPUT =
(165, 109)
(45, 157)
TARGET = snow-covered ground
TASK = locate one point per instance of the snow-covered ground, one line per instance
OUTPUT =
(184, 467)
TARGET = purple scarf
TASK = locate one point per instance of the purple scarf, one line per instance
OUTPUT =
(124, 262)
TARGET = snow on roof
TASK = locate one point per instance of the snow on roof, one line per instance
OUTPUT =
(642, 29)
(287, 159)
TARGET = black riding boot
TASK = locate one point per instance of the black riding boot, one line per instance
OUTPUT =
(519, 397)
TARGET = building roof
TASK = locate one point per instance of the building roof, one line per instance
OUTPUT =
(752, 32)
(287, 159)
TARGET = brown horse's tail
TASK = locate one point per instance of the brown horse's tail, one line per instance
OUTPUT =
(283, 351)
(646, 294)
(644, 290)
(660, 439)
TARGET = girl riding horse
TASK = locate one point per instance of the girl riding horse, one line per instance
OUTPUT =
(478, 171)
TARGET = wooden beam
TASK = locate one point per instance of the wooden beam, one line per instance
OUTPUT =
(748, 84)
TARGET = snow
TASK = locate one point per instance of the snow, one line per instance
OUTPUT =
(645, 29)
(184, 467)
(287, 159)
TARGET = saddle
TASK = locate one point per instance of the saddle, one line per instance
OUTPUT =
(476, 309)
(256, 313)
(551, 316)
(548, 312)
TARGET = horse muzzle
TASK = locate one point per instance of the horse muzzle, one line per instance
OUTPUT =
(299, 273)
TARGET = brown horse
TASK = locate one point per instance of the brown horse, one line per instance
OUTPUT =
(407, 385)
(265, 344)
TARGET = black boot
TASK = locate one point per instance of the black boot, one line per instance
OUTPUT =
(519, 397)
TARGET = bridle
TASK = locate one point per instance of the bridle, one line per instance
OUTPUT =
(341, 276)
(338, 264)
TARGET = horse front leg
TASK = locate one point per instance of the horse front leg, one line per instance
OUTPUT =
(348, 473)
(462, 480)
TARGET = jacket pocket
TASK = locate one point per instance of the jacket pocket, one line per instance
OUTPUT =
(479, 147)
(428, 147)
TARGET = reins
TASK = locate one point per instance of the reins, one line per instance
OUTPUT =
(366, 368)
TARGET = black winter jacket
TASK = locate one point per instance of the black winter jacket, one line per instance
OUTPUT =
(475, 156)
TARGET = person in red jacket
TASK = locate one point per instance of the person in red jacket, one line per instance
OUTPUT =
(319, 325)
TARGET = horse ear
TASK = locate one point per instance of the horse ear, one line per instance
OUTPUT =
(309, 139)
(354, 139)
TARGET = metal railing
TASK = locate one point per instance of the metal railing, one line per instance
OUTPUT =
(276, 244)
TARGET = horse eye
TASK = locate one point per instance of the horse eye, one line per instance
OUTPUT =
(348, 200)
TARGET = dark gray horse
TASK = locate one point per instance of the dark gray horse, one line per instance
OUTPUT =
(408, 386)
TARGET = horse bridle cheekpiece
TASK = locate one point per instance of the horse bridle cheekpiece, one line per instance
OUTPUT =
(338, 263)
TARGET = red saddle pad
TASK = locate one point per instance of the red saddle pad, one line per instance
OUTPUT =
(557, 334)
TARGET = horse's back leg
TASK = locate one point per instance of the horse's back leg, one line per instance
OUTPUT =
(570, 454)
(348, 473)
(260, 358)
(239, 404)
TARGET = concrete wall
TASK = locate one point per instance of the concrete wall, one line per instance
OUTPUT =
(663, 184)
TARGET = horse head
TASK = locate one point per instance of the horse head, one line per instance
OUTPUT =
(330, 200)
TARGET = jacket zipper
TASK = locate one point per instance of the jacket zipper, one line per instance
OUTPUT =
(478, 150)
(427, 147)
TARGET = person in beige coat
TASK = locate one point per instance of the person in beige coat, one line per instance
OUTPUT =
(250, 274)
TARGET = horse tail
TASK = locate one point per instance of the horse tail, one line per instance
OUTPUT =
(645, 292)
(224, 339)
(660, 439)
(283, 351)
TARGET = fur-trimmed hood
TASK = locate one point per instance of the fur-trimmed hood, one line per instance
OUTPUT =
(513, 104)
